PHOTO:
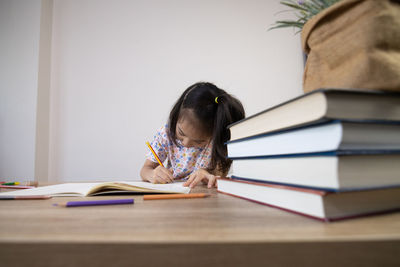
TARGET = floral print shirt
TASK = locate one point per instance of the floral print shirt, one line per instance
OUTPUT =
(181, 160)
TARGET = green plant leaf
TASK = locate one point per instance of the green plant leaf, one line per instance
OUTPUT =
(303, 10)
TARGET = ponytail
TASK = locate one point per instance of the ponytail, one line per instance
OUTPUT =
(229, 110)
(215, 109)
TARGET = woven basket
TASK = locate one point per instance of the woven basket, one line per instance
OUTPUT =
(354, 44)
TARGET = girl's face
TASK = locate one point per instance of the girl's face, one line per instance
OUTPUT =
(190, 135)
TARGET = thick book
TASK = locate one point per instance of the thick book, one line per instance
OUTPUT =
(333, 171)
(329, 136)
(320, 105)
(322, 205)
(95, 189)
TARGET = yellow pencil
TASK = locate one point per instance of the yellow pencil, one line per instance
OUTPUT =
(154, 153)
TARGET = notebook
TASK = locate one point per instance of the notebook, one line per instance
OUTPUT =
(102, 188)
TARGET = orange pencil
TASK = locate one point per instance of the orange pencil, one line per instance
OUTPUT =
(174, 196)
(154, 153)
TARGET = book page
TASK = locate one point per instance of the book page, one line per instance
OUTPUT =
(176, 187)
(85, 189)
(139, 187)
(68, 189)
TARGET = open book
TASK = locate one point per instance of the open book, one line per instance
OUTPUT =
(94, 189)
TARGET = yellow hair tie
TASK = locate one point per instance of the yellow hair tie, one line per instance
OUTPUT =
(216, 100)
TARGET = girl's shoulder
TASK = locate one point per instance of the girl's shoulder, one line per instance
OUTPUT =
(163, 130)
(162, 133)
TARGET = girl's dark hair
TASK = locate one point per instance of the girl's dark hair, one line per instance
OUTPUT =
(214, 115)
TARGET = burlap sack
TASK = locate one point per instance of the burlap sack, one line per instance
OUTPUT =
(354, 44)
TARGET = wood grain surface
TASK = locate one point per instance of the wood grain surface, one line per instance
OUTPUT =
(217, 229)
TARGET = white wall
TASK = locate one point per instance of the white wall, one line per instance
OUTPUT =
(118, 66)
(19, 59)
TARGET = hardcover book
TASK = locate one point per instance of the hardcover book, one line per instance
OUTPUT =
(329, 136)
(332, 171)
(317, 204)
(319, 106)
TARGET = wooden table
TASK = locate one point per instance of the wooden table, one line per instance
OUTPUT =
(217, 231)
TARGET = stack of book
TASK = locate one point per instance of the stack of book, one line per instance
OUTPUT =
(329, 154)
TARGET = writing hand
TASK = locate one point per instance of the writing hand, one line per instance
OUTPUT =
(161, 175)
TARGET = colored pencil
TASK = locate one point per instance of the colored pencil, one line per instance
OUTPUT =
(154, 153)
(27, 183)
(174, 196)
(11, 183)
(24, 197)
(71, 204)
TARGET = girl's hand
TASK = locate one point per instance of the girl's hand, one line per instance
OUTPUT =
(201, 175)
(161, 175)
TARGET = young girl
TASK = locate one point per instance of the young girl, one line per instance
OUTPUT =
(192, 144)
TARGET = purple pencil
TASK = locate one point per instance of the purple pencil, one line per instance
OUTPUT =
(96, 202)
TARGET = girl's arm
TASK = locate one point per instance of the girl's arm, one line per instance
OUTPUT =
(154, 173)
